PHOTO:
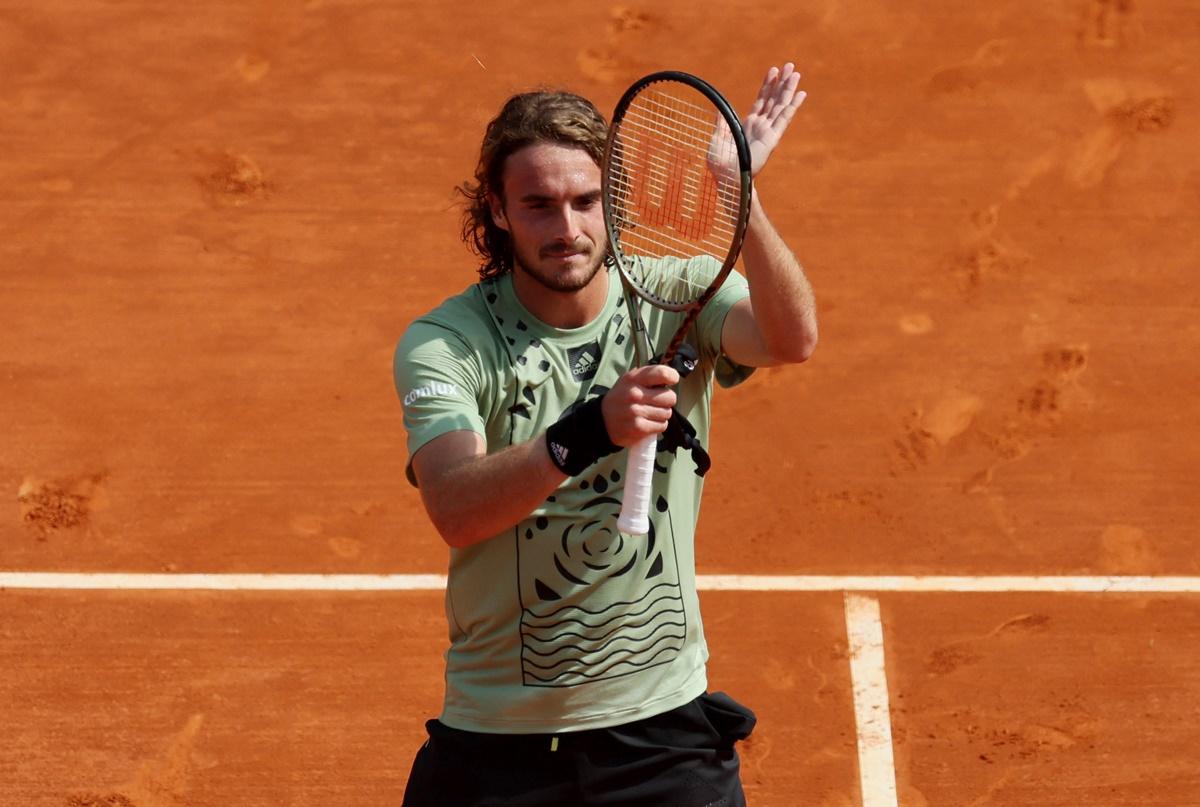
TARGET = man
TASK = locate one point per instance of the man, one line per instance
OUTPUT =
(576, 670)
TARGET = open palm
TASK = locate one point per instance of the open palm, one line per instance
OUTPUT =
(778, 99)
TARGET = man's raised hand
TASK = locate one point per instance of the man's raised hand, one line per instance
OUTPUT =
(778, 99)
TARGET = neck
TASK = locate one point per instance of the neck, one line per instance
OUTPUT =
(562, 309)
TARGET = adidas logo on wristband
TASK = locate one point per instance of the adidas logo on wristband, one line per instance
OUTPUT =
(579, 437)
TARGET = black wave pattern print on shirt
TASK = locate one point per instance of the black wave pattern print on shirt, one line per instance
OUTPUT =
(597, 604)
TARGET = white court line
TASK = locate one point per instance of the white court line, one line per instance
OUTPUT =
(963, 583)
(222, 582)
(437, 582)
(872, 715)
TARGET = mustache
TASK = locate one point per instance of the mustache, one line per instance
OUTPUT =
(559, 249)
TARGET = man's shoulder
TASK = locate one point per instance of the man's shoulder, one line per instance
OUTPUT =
(463, 310)
(464, 314)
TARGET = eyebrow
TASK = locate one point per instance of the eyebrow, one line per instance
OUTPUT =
(540, 197)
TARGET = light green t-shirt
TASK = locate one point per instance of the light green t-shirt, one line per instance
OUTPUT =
(560, 623)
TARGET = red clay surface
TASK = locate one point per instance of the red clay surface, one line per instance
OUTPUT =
(216, 220)
(1045, 699)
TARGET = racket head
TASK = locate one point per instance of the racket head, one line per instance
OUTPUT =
(675, 180)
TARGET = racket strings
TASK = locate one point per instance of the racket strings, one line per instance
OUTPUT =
(658, 176)
(680, 115)
(673, 278)
(667, 203)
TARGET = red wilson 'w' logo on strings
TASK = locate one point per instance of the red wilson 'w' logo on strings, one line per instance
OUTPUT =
(687, 201)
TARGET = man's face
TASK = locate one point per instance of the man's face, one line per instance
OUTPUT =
(551, 209)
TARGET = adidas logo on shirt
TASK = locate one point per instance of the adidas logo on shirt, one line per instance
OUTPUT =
(584, 360)
(583, 364)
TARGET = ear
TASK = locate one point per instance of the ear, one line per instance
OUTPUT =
(497, 208)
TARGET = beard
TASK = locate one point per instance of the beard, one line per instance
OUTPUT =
(562, 280)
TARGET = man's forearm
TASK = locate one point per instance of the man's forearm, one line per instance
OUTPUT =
(785, 309)
(480, 496)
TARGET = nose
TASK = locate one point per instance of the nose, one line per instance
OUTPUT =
(570, 224)
(573, 225)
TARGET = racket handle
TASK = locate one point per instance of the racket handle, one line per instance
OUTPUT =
(639, 469)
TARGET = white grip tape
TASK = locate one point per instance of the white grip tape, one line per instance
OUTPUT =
(635, 508)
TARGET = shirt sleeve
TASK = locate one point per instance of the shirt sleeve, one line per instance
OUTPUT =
(438, 380)
(711, 323)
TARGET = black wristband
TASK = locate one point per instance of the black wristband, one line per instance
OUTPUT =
(579, 438)
(685, 360)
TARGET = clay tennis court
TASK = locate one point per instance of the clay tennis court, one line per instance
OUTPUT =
(216, 219)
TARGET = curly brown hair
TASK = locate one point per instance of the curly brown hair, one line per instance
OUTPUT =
(534, 117)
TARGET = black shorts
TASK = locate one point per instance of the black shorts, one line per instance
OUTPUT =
(681, 758)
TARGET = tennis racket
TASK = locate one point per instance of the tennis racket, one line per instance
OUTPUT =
(676, 198)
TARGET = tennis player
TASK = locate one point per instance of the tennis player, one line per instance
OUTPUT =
(576, 668)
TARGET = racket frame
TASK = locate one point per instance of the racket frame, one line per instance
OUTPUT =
(639, 472)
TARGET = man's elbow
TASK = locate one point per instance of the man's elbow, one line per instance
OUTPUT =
(797, 350)
(454, 530)
(447, 518)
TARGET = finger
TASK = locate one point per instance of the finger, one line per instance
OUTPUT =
(722, 138)
(796, 102)
(657, 396)
(786, 113)
(790, 98)
(756, 107)
(651, 414)
(766, 93)
(785, 92)
(771, 108)
(645, 426)
(770, 77)
(788, 88)
(657, 375)
(661, 397)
